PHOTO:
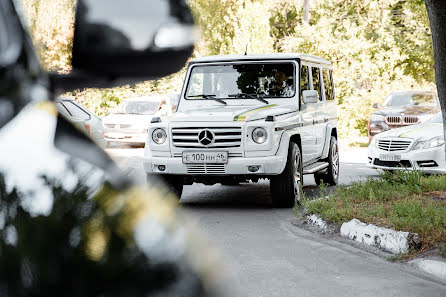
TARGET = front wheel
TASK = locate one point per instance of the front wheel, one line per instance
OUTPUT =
(331, 175)
(171, 183)
(286, 188)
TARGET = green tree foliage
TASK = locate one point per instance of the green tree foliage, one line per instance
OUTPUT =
(376, 46)
(228, 26)
(51, 24)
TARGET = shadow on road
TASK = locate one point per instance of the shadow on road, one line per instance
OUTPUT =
(243, 196)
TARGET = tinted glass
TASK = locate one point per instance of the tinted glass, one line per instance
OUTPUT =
(76, 111)
(328, 85)
(269, 80)
(304, 79)
(138, 107)
(316, 81)
(410, 99)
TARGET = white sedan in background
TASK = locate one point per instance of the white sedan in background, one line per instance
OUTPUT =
(129, 122)
(418, 147)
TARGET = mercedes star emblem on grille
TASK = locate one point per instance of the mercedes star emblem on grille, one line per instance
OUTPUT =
(206, 137)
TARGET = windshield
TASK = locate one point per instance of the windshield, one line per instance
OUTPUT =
(269, 80)
(410, 99)
(138, 107)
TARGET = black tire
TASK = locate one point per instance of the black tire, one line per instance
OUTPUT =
(331, 175)
(286, 188)
(173, 184)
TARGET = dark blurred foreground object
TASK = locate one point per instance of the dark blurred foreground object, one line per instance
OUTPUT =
(118, 42)
(436, 9)
(71, 224)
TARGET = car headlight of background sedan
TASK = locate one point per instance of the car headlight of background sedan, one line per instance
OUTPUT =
(377, 118)
(259, 135)
(434, 142)
(159, 136)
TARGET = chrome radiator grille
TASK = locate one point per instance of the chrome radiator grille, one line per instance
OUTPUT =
(410, 120)
(205, 168)
(393, 145)
(218, 137)
(399, 120)
(393, 120)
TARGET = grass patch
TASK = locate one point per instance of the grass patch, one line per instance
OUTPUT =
(403, 200)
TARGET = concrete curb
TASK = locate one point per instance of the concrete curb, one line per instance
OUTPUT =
(316, 221)
(431, 266)
(395, 242)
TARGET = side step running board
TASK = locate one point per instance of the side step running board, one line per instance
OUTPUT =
(315, 167)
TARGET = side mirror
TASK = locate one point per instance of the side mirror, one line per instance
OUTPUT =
(131, 40)
(375, 105)
(310, 96)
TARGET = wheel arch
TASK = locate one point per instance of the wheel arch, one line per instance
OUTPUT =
(331, 131)
(297, 140)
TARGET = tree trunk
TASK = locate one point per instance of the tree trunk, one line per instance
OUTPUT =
(306, 18)
(436, 9)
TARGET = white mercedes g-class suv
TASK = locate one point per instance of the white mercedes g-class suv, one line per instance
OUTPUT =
(248, 117)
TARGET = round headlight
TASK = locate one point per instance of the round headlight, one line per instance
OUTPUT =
(259, 135)
(159, 136)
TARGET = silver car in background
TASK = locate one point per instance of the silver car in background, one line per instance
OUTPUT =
(129, 122)
(82, 118)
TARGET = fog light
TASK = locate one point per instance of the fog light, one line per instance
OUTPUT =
(253, 168)
(161, 167)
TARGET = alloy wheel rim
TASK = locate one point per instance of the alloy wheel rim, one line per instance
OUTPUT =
(297, 177)
(335, 160)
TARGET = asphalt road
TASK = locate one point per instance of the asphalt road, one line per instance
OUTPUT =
(266, 255)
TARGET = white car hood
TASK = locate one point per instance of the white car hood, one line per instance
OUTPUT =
(136, 120)
(426, 130)
(230, 113)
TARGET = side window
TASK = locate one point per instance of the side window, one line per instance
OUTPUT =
(316, 73)
(76, 111)
(304, 80)
(328, 84)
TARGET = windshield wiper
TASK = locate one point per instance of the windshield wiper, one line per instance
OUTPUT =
(211, 97)
(250, 96)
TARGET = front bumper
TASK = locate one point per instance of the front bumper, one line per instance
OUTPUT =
(236, 166)
(420, 160)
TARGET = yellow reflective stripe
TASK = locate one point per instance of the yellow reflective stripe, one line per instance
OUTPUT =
(242, 117)
(47, 106)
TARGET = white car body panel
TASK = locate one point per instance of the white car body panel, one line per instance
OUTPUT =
(132, 128)
(412, 134)
(244, 114)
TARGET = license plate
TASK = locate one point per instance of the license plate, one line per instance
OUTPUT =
(394, 158)
(204, 158)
